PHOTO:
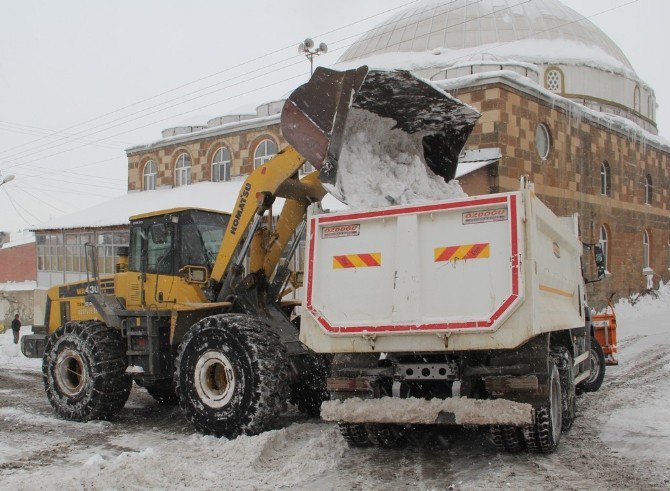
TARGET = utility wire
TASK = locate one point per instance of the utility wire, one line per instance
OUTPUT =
(11, 201)
(247, 62)
(40, 199)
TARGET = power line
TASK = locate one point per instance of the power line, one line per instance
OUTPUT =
(211, 75)
(11, 201)
(40, 199)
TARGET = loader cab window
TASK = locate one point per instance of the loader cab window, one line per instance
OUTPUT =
(152, 241)
(201, 233)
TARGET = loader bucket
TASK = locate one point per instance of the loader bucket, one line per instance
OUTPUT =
(314, 118)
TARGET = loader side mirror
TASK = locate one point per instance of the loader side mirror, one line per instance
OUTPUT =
(599, 256)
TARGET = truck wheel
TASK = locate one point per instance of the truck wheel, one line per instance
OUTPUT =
(545, 432)
(593, 382)
(508, 439)
(354, 434)
(566, 370)
(162, 391)
(387, 435)
(84, 371)
(231, 375)
(309, 389)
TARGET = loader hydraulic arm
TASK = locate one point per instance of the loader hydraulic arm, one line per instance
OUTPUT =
(278, 178)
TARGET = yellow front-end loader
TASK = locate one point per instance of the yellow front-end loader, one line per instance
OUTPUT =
(196, 312)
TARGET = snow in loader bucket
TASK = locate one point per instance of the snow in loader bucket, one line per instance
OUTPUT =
(316, 116)
(453, 411)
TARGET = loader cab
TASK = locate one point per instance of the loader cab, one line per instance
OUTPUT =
(167, 241)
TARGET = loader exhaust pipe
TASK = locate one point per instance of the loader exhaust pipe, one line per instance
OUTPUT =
(314, 117)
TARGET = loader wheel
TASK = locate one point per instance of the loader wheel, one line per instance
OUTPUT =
(508, 439)
(354, 434)
(545, 432)
(231, 375)
(309, 389)
(84, 371)
(593, 382)
(387, 435)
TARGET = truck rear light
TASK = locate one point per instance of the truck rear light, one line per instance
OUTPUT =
(341, 384)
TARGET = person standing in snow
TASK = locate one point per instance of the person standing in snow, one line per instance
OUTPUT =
(16, 327)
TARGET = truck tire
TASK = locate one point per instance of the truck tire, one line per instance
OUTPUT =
(387, 435)
(593, 382)
(545, 432)
(566, 370)
(309, 389)
(84, 371)
(354, 434)
(508, 439)
(231, 375)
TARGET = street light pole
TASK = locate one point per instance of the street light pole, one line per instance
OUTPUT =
(307, 48)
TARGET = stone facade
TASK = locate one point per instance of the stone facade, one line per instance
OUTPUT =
(569, 180)
(241, 144)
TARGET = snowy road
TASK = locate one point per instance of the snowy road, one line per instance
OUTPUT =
(620, 440)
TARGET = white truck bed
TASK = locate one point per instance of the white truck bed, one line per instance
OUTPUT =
(485, 272)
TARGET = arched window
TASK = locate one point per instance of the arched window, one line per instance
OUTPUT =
(149, 175)
(604, 243)
(221, 165)
(648, 190)
(542, 141)
(605, 179)
(182, 170)
(265, 150)
(554, 80)
(636, 98)
(645, 250)
(651, 107)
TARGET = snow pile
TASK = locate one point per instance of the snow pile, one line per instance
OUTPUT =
(10, 353)
(381, 166)
(421, 411)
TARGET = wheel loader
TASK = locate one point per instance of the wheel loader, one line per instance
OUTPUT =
(195, 313)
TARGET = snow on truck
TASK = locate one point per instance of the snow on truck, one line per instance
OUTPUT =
(415, 305)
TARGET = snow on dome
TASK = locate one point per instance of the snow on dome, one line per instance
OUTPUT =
(496, 28)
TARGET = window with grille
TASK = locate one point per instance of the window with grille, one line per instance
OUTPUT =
(149, 176)
(182, 170)
(555, 81)
(265, 150)
(604, 244)
(221, 165)
(605, 179)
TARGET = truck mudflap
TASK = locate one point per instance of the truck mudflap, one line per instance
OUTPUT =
(452, 411)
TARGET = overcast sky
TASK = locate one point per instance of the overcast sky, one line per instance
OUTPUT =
(80, 81)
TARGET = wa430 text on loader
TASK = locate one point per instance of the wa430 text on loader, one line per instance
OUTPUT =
(195, 313)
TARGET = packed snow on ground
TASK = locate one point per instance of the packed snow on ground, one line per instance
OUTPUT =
(620, 439)
(381, 166)
(10, 353)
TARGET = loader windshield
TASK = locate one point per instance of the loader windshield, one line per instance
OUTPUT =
(201, 234)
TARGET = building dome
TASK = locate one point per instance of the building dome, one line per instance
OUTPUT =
(567, 53)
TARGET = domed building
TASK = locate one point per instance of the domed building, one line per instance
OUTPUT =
(560, 102)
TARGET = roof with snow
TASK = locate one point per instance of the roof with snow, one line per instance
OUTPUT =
(543, 31)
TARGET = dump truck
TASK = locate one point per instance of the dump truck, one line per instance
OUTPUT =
(196, 312)
(468, 311)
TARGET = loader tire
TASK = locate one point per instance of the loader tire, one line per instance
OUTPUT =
(387, 435)
(84, 371)
(354, 434)
(231, 375)
(508, 439)
(544, 434)
(593, 382)
(309, 389)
